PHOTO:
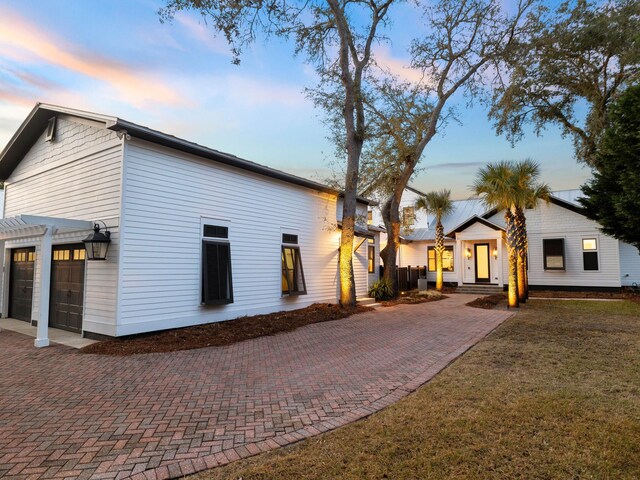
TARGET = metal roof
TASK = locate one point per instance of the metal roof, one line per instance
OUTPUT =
(465, 211)
(36, 121)
(569, 196)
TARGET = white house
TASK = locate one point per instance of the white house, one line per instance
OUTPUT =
(566, 249)
(196, 235)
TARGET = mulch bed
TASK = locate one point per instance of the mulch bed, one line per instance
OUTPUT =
(493, 301)
(412, 299)
(222, 333)
(489, 302)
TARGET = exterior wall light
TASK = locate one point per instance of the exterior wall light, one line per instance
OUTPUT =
(97, 243)
(495, 253)
(467, 252)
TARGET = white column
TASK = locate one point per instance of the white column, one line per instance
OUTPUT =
(499, 246)
(44, 267)
(5, 263)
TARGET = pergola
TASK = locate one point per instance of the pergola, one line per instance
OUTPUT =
(24, 226)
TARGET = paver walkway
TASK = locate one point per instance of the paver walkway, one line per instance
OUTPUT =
(65, 414)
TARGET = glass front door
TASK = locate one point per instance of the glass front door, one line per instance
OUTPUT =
(482, 262)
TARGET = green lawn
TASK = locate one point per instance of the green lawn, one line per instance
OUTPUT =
(553, 393)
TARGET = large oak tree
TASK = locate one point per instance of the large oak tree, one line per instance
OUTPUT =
(337, 37)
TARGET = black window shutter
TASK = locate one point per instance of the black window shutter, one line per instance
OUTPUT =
(216, 274)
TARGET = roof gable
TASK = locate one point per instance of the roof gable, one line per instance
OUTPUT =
(33, 126)
(472, 221)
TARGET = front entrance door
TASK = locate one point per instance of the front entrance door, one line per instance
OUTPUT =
(482, 262)
(67, 287)
(21, 283)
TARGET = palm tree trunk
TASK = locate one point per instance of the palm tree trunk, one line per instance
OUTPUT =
(521, 236)
(512, 249)
(439, 253)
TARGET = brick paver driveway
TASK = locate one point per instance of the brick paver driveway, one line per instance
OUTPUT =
(65, 414)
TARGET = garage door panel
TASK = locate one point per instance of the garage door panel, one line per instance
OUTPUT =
(21, 283)
(67, 287)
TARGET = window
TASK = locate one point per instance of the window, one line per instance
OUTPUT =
(371, 258)
(217, 287)
(447, 259)
(553, 253)
(590, 254)
(369, 217)
(289, 238)
(409, 215)
(216, 231)
(292, 272)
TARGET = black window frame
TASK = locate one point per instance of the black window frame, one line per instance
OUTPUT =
(590, 254)
(297, 257)
(433, 249)
(545, 254)
(206, 299)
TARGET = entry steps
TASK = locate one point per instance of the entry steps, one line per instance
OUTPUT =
(477, 289)
(367, 301)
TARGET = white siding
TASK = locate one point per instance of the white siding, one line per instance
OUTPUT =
(553, 221)
(629, 264)
(165, 195)
(77, 176)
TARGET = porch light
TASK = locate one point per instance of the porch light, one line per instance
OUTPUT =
(495, 253)
(467, 252)
(97, 243)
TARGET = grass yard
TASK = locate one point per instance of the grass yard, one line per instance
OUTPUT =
(552, 393)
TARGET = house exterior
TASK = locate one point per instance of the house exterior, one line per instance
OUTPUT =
(197, 235)
(566, 249)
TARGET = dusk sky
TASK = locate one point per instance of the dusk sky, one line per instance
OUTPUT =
(117, 58)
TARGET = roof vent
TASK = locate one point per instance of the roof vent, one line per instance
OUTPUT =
(51, 130)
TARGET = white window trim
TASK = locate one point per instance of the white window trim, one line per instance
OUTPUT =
(597, 251)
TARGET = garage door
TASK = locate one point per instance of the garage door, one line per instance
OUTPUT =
(21, 283)
(67, 287)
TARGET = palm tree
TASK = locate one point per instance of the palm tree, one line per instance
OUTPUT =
(525, 177)
(495, 183)
(440, 205)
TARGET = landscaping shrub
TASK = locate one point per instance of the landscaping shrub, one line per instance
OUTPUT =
(382, 290)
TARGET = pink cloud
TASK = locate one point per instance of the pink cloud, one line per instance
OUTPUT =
(397, 67)
(26, 42)
(199, 31)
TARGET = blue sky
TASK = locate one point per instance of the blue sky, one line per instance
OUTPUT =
(117, 58)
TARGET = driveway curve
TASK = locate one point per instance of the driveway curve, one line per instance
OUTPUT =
(64, 414)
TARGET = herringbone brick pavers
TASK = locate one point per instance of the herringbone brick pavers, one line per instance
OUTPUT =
(68, 415)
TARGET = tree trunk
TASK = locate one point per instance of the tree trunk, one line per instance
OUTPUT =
(391, 218)
(513, 261)
(439, 253)
(521, 235)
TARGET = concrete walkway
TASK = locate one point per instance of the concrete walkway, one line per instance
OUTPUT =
(66, 414)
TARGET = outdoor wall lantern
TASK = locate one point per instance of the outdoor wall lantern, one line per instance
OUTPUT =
(495, 253)
(467, 252)
(97, 243)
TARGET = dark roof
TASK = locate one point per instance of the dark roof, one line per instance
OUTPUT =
(471, 221)
(415, 190)
(37, 120)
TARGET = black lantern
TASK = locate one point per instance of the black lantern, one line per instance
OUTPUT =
(97, 243)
